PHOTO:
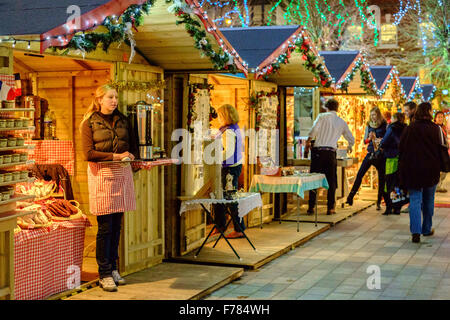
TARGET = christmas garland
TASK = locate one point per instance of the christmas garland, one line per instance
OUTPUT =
(254, 104)
(192, 116)
(117, 30)
(137, 85)
(312, 63)
(367, 82)
(221, 60)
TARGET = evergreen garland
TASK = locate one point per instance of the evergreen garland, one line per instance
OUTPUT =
(115, 30)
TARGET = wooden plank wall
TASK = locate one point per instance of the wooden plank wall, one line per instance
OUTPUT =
(254, 218)
(173, 119)
(142, 243)
(69, 94)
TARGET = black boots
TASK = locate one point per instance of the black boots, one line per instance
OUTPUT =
(416, 237)
(350, 198)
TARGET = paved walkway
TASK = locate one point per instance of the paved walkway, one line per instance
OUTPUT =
(334, 264)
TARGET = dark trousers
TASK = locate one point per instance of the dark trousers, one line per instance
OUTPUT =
(391, 182)
(380, 165)
(324, 161)
(221, 209)
(108, 236)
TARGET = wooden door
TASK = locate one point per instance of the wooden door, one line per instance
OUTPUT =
(254, 217)
(142, 243)
(193, 178)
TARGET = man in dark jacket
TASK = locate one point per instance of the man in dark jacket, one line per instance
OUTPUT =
(419, 168)
(389, 145)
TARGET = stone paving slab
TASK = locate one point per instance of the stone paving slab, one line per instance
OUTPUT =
(334, 265)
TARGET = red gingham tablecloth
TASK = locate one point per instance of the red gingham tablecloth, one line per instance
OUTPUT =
(43, 258)
(147, 165)
(53, 152)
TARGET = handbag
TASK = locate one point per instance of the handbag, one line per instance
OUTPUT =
(443, 153)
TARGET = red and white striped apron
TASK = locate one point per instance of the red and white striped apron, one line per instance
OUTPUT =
(111, 188)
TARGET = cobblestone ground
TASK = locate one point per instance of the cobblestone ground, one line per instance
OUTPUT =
(334, 264)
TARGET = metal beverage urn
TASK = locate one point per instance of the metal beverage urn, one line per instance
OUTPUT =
(141, 119)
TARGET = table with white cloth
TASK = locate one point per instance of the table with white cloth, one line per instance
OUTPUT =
(245, 201)
(297, 184)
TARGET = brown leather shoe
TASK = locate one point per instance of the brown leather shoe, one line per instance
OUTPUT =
(429, 234)
(416, 237)
(331, 211)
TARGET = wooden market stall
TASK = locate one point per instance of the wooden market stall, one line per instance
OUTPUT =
(67, 82)
(262, 50)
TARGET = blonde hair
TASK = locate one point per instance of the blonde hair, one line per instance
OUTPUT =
(229, 113)
(379, 115)
(95, 104)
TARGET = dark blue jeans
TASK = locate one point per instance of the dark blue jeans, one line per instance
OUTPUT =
(220, 209)
(108, 236)
(380, 165)
(421, 203)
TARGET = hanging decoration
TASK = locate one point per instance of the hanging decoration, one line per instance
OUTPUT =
(137, 85)
(196, 106)
(266, 107)
(221, 60)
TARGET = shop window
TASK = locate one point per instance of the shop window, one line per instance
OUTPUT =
(299, 119)
(388, 36)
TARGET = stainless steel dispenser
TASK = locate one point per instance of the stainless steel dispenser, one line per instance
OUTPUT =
(141, 118)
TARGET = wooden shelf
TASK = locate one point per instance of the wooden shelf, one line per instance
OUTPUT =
(13, 164)
(17, 129)
(17, 109)
(27, 146)
(14, 214)
(17, 198)
(15, 182)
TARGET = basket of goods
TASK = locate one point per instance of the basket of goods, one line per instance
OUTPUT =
(61, 209)
(267, 167)
(40, 189)
(38, 219)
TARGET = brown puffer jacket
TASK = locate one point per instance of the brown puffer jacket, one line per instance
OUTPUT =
(107, 138)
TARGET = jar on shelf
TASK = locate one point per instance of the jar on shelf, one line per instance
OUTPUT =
(12, 141)
(15, 158)
(23, 157)
(18, 123)
(1, 159)
(2, 123)
(9, 123)
(3, 142)
(7, 158)
(1, 178)
(9, 104)
(16, 175)
(7, 177)
(11, 191)
(23, 175)
(5, 195)
(1, 196)
(20, 142)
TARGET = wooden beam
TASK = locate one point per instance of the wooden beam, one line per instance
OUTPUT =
(83, 64)
(23, 65)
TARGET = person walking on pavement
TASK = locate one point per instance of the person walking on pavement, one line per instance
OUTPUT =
(409, 108)
(326, 131)
(439, 120)
(419, 169)
(389, 145)
(375, 131)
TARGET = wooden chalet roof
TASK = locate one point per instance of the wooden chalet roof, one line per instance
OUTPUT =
(409, 85)
(381, 75)
(427, 91)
